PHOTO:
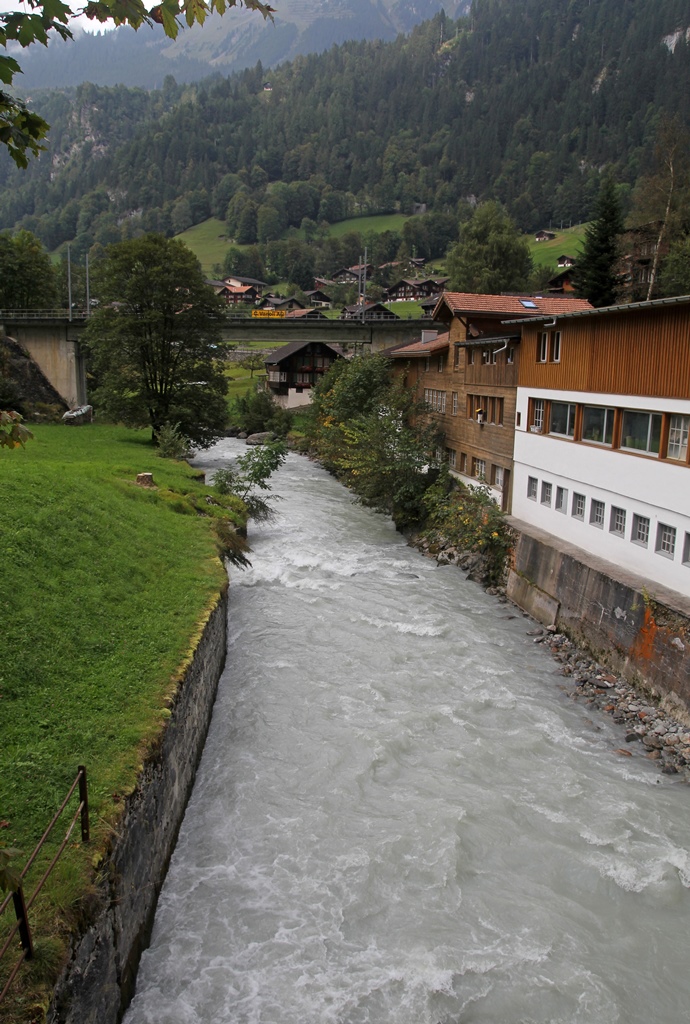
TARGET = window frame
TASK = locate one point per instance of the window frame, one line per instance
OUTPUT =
(616, 514)
(570, 419)
(597, 513)
(532, 488)
(542, 346)
(546, 493)
(684, 439)
(651, 417)
(578, 500)
(561, 502)
(661, 546)
(643, 522)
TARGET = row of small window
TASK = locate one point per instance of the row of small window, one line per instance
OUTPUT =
(485, 409)
(436, 400)
(477, 467)
(666, 536)
(489, 357)
(654, 433)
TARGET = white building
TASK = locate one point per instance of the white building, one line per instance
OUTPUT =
(601, 441)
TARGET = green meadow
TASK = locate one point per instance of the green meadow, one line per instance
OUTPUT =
(104, 586)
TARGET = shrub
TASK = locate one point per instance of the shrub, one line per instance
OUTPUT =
(468, 518)
(172, 444)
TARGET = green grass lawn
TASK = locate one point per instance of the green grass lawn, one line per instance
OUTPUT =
(568, 243)
(104, 584)
(209, 244)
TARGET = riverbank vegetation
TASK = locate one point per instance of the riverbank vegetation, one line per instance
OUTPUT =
(104, 586)
(376, 438)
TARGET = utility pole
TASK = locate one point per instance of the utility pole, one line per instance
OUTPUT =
(69, 282)
(88, 290)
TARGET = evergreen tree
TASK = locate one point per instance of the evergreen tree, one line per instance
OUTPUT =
(491, 255)
(597, 277)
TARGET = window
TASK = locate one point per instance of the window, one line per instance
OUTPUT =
(596, 513)
(617, 523)
(678, 438)
(470, 356)
(641, 431)
(452, 457)
(597, 424)
(441, 363)
(455, 403)
(479, 468)
(456, 356)
(666, 540)
(640, 530)
(427, 364)
(546, 492)
(486, 356)
(561, 500)
(562, 419)
(555, 353)
(537, 418)
(494, 356)
(542, 347)
(686, 550)
(463, 462)
(510, 356)
(497, 473)
(578, 506)
(532, 484)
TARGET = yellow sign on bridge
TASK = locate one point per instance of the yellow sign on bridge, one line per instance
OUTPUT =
(269, 314)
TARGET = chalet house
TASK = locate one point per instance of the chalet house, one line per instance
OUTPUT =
(233, 295)
(601, 445)
(639, 247)
(355, 274)
(544, 236)
(467, 373)
(280, 302)
(413, 288)
(295, 368)
(317, 297)
(368, 311)
(563, 283)
(305, 314)
(236, 282)
(566, 261)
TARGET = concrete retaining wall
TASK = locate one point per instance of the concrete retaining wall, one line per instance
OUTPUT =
(640, 630)
(98, 983)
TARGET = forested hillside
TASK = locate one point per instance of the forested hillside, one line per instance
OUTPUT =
(235, 41)
(525, 101)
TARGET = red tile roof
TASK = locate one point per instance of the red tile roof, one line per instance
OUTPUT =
(510, 305)
(422, 348)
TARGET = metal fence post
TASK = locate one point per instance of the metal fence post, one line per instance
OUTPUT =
(84, 800)
(23, 919)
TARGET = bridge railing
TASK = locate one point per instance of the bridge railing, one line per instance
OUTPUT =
(43, 314)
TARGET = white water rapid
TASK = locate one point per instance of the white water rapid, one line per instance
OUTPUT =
(400, 817)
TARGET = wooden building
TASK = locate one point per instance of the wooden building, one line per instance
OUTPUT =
(294, 369)
(601, 445)
(467, 371)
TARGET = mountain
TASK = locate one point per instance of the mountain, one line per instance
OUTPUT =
(224, 44)
(523, 101)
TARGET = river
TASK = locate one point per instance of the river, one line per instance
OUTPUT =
(400, 817)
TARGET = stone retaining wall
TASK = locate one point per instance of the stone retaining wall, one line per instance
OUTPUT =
(639, 629)
(98, 982)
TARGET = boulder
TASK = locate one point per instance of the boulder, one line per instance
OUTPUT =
(76, 417)
(261, 438)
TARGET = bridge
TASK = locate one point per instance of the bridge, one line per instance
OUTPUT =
(51, 337)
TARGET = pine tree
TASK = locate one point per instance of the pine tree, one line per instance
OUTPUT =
(597, 278)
